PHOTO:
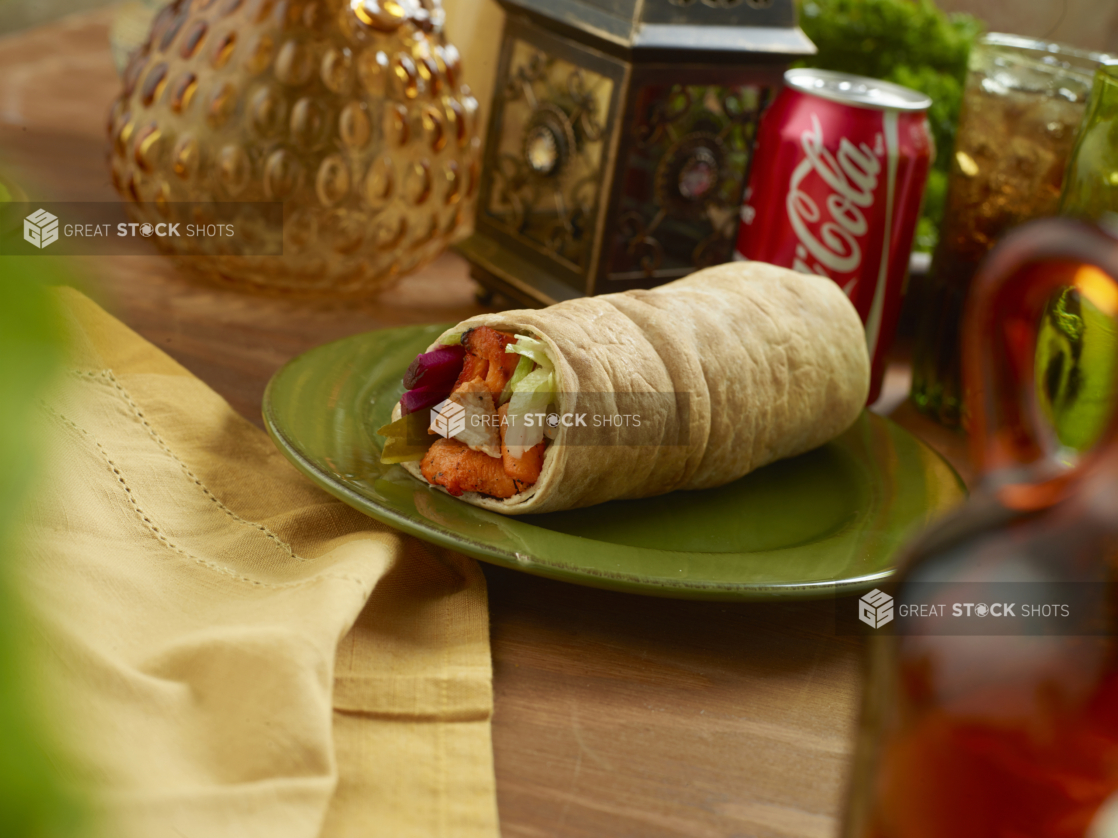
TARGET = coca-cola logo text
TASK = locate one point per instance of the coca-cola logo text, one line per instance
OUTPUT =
(851, 175)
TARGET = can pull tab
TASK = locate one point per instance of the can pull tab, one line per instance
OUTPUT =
(1013, 445)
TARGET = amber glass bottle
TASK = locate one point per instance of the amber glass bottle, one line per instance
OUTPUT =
(1007, 730)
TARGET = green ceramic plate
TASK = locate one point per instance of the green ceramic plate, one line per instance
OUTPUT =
(827, 522)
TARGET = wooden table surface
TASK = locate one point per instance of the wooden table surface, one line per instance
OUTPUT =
(616, 715)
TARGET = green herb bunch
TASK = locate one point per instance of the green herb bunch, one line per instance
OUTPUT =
(33, 802)
(911, 43)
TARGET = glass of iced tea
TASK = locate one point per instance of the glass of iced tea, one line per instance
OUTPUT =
(1022, 103)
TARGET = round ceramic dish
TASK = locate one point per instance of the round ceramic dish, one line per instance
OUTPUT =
(828, 522)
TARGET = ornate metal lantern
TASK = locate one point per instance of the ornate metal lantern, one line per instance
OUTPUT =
(619, 140)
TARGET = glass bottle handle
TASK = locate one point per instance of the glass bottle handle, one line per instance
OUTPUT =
(1011, 444)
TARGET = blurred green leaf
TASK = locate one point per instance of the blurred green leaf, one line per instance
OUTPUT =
(32, 803)
(1075, 365)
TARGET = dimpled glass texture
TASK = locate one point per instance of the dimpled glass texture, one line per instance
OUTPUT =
(350, 112)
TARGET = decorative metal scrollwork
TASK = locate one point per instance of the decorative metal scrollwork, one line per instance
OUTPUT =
(547, 177)
(640, 243)
(549, 140)
(664, 113)
(689, 174)
(695, 140)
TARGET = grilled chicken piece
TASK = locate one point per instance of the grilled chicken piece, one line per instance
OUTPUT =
(525, 469)
(480, 432)
(472, 367)
(486, 358)
(457, 468)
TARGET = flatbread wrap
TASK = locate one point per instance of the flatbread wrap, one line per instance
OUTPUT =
(734, 367)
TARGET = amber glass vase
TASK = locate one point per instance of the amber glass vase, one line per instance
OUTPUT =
(1000, 730)
(351, 113)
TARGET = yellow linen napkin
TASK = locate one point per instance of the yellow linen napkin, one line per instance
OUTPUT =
(229, 650)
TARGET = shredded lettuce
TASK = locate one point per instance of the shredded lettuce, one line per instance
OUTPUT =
(537, 384)
(453, 339)
(531, 348)
(535, 372)
(530, 392)
(522, 369)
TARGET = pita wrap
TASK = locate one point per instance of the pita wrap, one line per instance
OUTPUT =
(756, 363)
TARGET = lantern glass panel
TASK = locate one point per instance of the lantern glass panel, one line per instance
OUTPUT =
(547, 168)
(682, 179)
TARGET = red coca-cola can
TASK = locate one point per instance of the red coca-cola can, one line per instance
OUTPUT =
(835, 188)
